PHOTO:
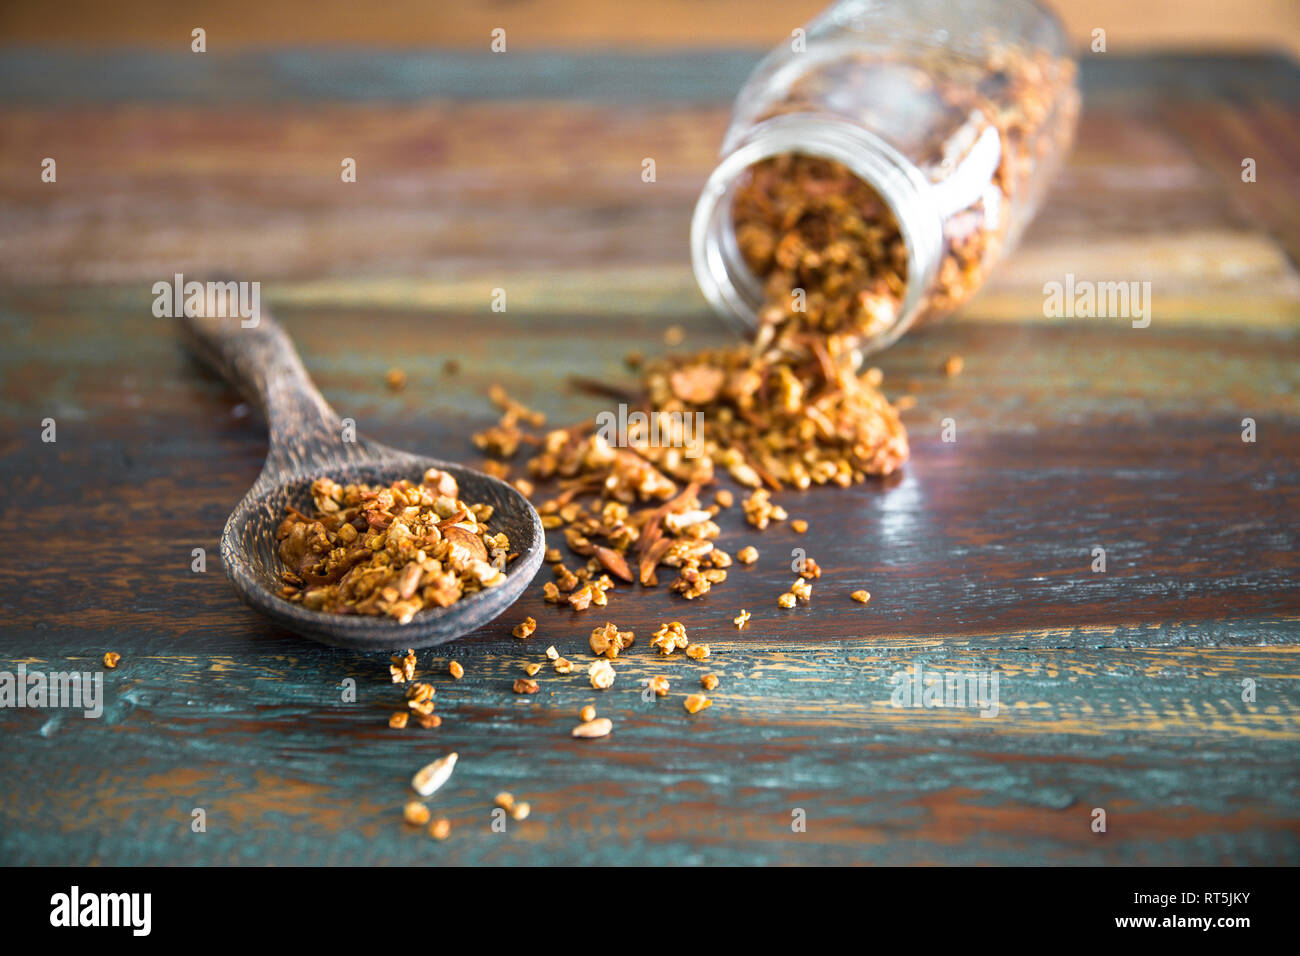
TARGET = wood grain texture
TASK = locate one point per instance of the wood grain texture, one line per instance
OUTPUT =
(454, 197)
(1158, 738)
(1070, 436)
(1123, 690)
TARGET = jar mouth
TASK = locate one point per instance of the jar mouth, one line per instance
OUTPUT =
(731, 287)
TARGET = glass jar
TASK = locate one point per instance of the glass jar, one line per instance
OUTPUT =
(955, 114)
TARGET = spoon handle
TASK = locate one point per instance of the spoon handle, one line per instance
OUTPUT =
(258, 358)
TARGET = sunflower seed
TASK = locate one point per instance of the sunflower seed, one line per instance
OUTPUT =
(430, 778)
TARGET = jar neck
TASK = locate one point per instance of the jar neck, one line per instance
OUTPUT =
(720, 269)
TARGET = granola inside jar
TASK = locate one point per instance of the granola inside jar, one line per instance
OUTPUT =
(878, 164)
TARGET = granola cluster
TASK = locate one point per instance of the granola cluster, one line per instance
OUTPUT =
(808, 223)
(609, 640)
(775, 415)
(392, 550)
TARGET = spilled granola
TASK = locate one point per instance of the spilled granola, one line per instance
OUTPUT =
(770, 418)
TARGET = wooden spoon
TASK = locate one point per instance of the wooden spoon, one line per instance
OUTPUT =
(306, 443)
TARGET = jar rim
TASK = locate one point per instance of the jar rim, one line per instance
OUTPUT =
(726, 281)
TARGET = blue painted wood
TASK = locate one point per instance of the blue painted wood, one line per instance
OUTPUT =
(1124, 692)
(287, 772)
(701, 76)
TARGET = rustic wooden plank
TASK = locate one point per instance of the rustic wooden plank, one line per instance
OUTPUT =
(1071, 434)
(1203, 278)
(1221, 139)
(988, 538)
(1161, 739)
(51, 76)
(290, 73)
(547, 201)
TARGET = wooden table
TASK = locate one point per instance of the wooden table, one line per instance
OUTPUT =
(1120, 690)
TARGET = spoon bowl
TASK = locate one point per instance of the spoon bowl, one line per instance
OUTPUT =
(309, 441)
